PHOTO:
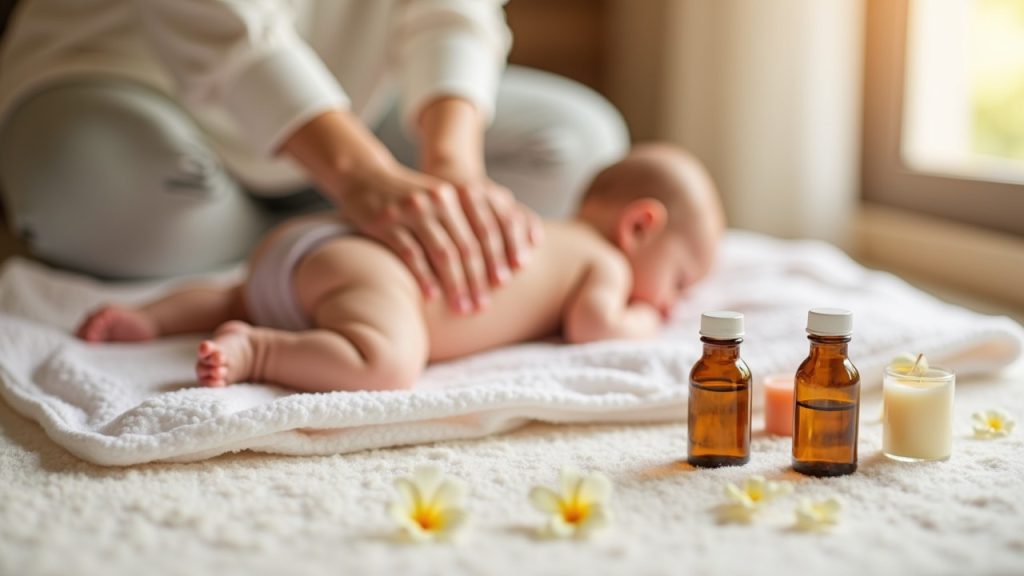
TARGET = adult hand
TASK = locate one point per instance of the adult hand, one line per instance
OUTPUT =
(506, 230)
(457, 231)
(451, 135)
(421, 219)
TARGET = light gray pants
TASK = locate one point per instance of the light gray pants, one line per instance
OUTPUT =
(115, 179)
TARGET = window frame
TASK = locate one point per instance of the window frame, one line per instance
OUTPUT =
(886, 179)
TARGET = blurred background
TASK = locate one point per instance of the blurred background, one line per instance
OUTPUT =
(893, 128)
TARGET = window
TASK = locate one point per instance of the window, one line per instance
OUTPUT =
(944, 109)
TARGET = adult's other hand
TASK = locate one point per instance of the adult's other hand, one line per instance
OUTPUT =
(421, 219)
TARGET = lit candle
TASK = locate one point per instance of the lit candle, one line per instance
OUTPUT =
(778, 405)
(917, 417)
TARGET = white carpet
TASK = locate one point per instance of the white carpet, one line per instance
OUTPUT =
(260, 514)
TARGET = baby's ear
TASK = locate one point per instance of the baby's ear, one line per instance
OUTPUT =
(639, 222)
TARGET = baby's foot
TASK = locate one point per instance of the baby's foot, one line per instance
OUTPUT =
(117, 324)
(227, 357)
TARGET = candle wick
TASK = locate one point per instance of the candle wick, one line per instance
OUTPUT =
(913, 369)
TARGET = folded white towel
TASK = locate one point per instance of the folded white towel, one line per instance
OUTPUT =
(130, 403)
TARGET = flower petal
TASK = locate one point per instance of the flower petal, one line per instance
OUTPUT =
(450, 493)
(736, 513)
(408, 495)
(427, 478)
(830, 507)
(418, 534)
(756, 481)
(595, 487)
(557, 527)
(400, 513)
(570, 482)
(545, 500)
(755, 487)
(738, 495)
(407, 525)
(774, 490)
(452, 520)
(817, 515)
(599, 517)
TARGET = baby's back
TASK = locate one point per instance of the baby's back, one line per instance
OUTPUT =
(533, 302)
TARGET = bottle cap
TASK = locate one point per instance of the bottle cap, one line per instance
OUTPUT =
(829, 322)
(721, 325)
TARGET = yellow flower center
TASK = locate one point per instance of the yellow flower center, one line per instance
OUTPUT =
(575, 511)
(428, 517)
(995, 424)
(755, 495)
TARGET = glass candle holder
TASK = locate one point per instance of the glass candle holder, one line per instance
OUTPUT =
(917, 418)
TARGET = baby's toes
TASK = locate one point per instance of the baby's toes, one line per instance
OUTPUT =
(213, 376)
(210, 353)
(94, 326)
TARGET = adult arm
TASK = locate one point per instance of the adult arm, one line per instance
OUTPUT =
(450, 55)
(451, 135)
(247, 57)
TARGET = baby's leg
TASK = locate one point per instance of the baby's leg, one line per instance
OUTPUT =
(369, 337)
(192, 309)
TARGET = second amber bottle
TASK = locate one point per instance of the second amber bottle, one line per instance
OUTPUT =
(720, 401)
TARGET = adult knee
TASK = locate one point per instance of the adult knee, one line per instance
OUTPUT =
(114, 179)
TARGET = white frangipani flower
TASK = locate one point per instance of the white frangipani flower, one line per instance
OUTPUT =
(992, 424)
(746, 501)
(813, 516)
(579, 508)
(430, 505)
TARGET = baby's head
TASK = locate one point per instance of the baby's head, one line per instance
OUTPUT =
(660, 207)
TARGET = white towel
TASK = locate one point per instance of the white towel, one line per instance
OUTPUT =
(126, 404)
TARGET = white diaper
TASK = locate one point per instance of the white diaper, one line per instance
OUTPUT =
(269, 293)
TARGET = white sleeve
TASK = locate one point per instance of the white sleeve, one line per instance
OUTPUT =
(246, 56)
(450, 48)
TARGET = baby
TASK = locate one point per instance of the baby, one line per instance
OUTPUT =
(332, 310)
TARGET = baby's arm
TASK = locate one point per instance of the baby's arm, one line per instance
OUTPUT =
(600, 309)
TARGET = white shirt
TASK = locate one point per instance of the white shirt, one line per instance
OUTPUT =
(253, 71)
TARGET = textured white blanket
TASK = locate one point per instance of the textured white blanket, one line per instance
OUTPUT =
(127, 404)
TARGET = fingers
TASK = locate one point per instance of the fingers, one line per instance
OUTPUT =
(434, 220)
(455, 242)
(467, 246)
(404, 244)
(519, 226)
(485, 227)
(444, 258)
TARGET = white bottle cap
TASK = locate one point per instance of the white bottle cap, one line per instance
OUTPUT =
(829, 322)
(721, 325)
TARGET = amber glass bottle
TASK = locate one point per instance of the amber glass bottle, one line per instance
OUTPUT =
(719, 406)
(827, 398)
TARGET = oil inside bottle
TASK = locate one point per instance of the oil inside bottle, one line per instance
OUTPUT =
(827, 398)
(719, 405)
